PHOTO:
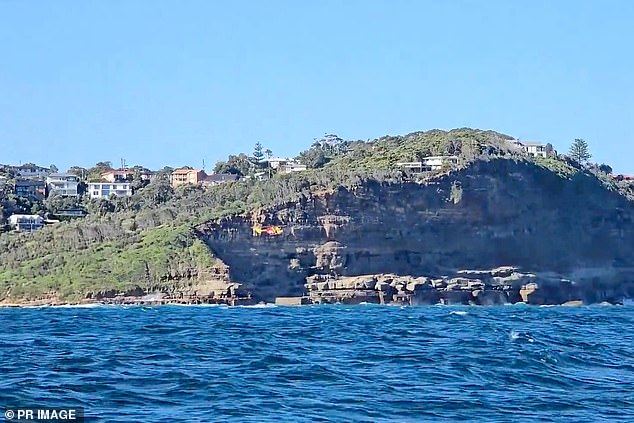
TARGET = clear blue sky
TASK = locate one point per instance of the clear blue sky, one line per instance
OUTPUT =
(175, 82)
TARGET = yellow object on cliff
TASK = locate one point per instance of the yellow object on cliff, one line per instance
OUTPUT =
(267, 230)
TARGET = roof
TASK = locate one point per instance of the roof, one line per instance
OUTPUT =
(61, 175)
(221, 177)
(25, 216)
(186, 170)
(31, 166)
(30, 183)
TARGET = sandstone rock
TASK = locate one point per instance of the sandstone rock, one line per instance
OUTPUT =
(294, 264)
(528, 294)
(503, 272)
(438, 283)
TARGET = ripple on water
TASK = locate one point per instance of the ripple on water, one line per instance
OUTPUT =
(323, 363)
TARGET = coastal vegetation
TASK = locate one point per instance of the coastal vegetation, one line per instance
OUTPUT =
(149, 240)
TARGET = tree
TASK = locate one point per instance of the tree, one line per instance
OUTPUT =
(236, 165)
(550, 150)
(78, 171)
(331, 144)
(258, 155)
(53, 169)
(579, 151)
(269, 154)
(95, 173)
(313, 158)
(605, 168)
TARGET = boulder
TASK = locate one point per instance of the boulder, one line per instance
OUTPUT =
(438, 283)
(503, 271)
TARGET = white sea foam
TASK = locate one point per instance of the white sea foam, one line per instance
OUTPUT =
(514, 336)
(261, 305)
(459, 313)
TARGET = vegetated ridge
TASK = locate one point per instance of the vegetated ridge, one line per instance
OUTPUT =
(354, 212)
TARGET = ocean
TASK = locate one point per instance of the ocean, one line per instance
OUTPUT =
(335, 363)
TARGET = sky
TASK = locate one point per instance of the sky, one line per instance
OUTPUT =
(173, 83)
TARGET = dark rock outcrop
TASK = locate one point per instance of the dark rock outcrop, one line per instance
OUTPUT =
(505, 213)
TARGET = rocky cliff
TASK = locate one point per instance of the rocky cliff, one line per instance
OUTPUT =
(494, 213)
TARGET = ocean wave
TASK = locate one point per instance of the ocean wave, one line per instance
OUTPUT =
(323, 363)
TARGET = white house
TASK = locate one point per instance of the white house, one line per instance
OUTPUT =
(532, 148)
(106, 189)
(437, 162)
(26, 222)
(290, 167)
(275, 162)
(30, 170)
(535, 149)
(64, 184)
(429, 163)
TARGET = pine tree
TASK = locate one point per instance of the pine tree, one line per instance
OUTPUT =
(579, 150)
(258, 155)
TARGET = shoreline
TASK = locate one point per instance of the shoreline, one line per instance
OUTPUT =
(575, 304)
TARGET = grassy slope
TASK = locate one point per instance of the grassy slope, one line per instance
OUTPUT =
(109, 265)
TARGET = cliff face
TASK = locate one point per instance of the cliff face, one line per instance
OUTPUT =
(495, 213)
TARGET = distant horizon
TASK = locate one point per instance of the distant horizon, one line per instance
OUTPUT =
(83, 82)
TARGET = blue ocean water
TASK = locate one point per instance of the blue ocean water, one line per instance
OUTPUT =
(322, 363)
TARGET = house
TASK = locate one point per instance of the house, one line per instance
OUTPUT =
(219, 178)
(30, 189)
(438, 162)
(431, 163)
(275, 162)
(414, 167)
(30, 170)
(125, 175)
(290, 167)
(285, 165)
(26, 222)
(64, 184)
(69, 213)
(106, 189)
(186, 175)
(117, 175)
(535, 149)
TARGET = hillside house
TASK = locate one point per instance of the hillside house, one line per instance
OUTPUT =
(30, 189)
(69, 213)
(26, 222)
(30, 170)
(431, 163)
(275, 162)
(533, 148)
(125, 175)
(107, 189)
(63, 184)
(290, 167)
(117, 175)
(186, 175)
(219, 178)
